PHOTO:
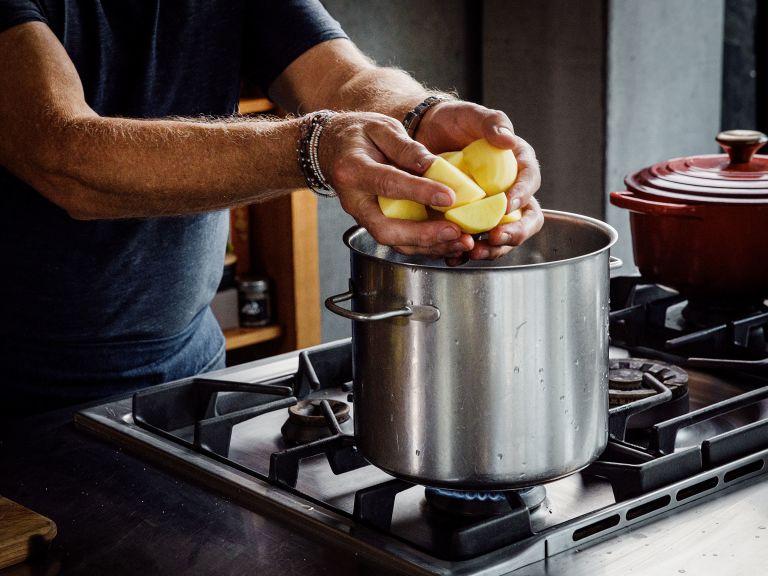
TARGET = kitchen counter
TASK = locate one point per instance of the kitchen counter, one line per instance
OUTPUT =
(118, 515)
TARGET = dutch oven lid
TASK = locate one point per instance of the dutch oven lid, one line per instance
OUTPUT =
(737, 177)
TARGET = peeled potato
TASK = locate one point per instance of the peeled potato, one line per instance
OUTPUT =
(479, 216)
(457, 159)
(402, 209)
(513, 216)
(494, 169)
(446, 173)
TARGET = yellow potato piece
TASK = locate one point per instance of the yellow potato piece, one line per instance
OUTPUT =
(494, 169)
(457, 159)
(402, 209)
(513, 216)
(446, 173)
(479, 216)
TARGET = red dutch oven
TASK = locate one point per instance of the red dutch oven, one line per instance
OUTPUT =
(700, 224)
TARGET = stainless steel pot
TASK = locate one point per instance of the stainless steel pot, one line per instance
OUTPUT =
(492, 375)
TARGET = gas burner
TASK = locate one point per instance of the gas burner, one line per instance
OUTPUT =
(625, 378)
(480, 504)
(306, 422)
(625, 385)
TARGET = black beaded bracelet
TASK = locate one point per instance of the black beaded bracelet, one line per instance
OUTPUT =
(307, 150)
(413, 118)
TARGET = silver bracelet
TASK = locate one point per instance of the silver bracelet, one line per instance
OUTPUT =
(307, 152)
(413, 118)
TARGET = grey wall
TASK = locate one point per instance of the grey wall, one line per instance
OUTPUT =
(543, 66)
(664, 88)
(428, 39)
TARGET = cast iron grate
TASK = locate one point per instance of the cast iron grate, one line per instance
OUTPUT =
(649, 320)
(200, 414)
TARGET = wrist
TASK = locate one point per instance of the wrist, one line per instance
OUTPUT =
(414, 118)
(308, 153)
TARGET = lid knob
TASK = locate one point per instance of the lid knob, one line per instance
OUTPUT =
(741, 145)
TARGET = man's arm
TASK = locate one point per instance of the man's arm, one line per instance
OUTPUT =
(97, 167)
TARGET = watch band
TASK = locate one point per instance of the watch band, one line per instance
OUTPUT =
(413, 118)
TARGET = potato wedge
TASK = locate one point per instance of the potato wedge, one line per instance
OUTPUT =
(513, 216)
(402, 209)
(479, 216)
(494, 169)
(465, 188)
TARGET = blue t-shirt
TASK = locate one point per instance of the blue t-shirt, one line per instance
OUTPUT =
(90, 308)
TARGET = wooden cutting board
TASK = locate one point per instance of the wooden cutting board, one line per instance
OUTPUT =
(21, 530)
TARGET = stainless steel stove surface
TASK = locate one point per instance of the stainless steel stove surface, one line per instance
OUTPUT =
(686, 495)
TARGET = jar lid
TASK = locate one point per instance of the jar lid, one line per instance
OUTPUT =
(253, 282)
(737, 177)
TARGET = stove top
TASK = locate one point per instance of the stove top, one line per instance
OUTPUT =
(276, 435)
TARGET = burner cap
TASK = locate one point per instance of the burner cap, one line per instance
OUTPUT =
(478, 504)
(625, 379)
(306, 421)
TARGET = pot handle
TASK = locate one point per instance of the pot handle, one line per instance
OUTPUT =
(636, 204)
(414, 312)
(614, 262)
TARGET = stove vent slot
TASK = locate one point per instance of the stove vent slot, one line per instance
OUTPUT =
(698, 488)
(742, 471)
(596, 527)
(648, 507)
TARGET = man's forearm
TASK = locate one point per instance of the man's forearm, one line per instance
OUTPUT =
(335, 74)
(112, 167)
(386, 90)
(97, 167)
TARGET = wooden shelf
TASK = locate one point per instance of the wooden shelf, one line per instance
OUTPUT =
(255, 105)
(241, 337)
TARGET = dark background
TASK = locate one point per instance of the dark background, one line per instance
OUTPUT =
(745, 65)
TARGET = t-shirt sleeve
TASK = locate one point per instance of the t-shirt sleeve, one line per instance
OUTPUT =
(279, 31)
(15, 12)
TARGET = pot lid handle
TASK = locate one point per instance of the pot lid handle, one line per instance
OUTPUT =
(741, 145)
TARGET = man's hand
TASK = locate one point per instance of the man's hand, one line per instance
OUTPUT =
(455, 124)
(366, 155)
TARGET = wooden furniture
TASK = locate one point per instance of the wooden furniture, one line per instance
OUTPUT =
(23, 533)
(282, 245)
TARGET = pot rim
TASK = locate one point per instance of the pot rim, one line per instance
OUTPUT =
(439, 264)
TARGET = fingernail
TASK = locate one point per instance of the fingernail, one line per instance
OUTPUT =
(504, 130)
(514, 204)
(481, 254)
(503, 238)
(424, 163)
(448, 234)
(441, 199)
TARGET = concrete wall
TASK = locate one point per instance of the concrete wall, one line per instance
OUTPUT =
(664, 88)
(428, 39)
(543, 65)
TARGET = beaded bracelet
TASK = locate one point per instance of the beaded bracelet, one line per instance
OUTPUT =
(413, 118)
(307, 150)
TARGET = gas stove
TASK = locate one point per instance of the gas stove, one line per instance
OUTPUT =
(277, 436)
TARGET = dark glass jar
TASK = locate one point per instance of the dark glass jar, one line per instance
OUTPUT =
(254, 301)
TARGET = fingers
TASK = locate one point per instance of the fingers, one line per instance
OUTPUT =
(518, 232)
(498, 129)
(390, 137)
(362, 173)
(436, 238)
(528, 175)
